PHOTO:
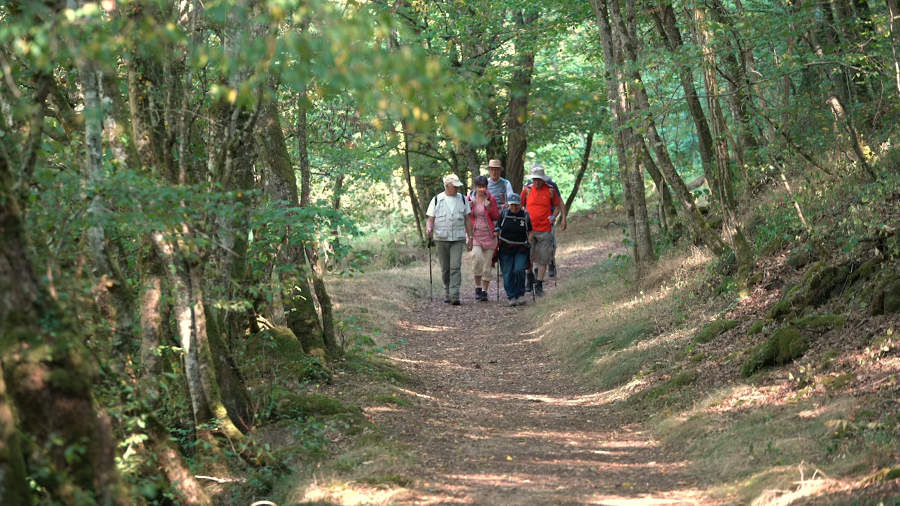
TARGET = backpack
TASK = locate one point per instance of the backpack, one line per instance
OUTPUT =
(550, 184)
(502, 219)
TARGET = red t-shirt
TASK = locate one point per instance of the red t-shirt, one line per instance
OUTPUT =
(540, 203)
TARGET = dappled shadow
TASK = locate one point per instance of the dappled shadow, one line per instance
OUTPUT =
(495, 419)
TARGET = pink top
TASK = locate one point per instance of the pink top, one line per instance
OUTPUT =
(484, 228)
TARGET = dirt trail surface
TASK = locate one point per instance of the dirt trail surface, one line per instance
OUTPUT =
(498, 420)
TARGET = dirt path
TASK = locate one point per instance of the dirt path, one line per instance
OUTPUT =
(498, 421)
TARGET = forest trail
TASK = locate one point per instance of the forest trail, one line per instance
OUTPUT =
(498, 420)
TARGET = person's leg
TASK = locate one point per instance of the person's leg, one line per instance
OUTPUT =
(477, 259)
(456, 251)
(520, 265)
(507, 268)
(443, 251)
(486, 255)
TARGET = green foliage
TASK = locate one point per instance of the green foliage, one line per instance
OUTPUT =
(713, 329)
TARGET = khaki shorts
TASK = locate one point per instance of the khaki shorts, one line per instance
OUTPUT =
(481, 261)
(542, 248)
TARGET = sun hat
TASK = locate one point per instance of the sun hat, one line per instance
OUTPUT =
(495, 163)
(513, 198)
(537, 172)
(452, 179)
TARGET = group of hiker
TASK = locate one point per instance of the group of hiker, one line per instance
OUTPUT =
(497, 224)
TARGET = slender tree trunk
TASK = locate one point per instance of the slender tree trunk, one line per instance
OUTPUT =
(667, 210)
(520, 88)
(724, 186)
(667, 26)
(407, 173)
(314, 247)
(585, 159)
(739, 85)
(894, 26)
(840, 115)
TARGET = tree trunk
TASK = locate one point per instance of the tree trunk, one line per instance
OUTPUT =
(840, 115)
(407, 173)
(666, 24)
(51, 390)
(14, 490)
(585, 159)
(185, 276)
(723, 185)
(692, 216)
(894, 26)
(519, 89)
(281, 184)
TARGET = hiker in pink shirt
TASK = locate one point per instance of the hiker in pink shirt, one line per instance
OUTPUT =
(484, 213)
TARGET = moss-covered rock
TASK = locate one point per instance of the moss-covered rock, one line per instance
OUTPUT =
(886, 297)
(277, 350)
(799, 258)
(820, 321)
(312, 404)
(713, 330)
(755, 328)
(784, 346)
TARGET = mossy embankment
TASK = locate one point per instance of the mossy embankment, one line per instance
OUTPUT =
(796, 380)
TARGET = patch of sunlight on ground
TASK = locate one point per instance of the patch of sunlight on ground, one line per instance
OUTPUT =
(416, 394)
(691, 498)
(422, 328)
(595, 399)
(350, 494)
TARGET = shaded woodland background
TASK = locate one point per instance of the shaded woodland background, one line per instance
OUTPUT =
(179, 180)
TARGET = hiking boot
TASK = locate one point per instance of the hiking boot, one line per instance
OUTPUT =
(455, 302)
(539, 288)
(478, 293)
(521, 301)
(484, 295)
(446, 298)
(551, 271)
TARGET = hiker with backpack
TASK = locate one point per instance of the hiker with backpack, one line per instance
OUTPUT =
(448, 225)
(514, 235)
(551, 269)
(484, 212)
(499, 187)
(543, 205)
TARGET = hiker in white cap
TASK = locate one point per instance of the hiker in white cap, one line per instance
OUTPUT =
(448, 225)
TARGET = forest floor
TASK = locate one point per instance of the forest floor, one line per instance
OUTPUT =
(491, 417)
(497, 419)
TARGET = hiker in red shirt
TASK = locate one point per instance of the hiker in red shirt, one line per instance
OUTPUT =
(543, 205)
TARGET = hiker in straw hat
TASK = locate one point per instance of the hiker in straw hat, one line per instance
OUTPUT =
(499, 187)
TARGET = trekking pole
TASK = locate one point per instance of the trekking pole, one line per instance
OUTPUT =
(430, 276)
(498, 280)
